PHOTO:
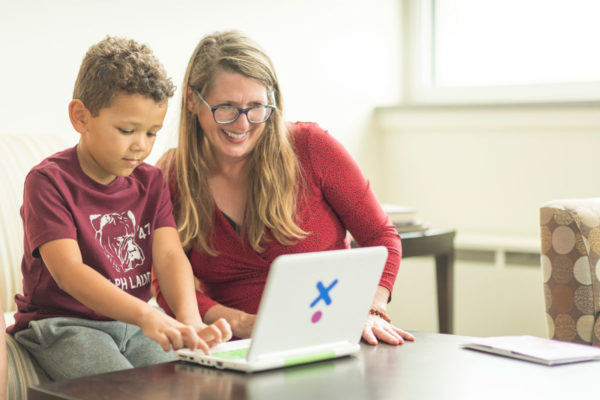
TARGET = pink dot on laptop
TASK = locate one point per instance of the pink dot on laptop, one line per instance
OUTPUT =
(316, 317)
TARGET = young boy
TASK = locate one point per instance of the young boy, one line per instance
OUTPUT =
(95, 219)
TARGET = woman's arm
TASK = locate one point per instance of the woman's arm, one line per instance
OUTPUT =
(348, 192)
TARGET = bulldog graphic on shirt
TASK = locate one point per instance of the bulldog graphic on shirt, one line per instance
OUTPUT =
(116, 234)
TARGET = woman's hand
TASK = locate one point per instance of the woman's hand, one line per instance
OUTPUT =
(215, 333)
(244, 325)
(377, 329)
(241, 322)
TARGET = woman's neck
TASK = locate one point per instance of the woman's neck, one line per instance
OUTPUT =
(232, 170)
(228, 185)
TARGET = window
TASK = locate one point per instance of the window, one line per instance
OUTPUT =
(502, 50)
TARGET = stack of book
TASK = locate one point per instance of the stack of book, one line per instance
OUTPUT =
(404, 218)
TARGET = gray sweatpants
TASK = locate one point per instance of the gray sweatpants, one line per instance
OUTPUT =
(68, 348)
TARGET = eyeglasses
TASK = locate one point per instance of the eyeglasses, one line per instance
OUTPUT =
(228, 114)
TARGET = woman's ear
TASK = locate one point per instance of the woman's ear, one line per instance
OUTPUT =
(79, 115)
(191, 100)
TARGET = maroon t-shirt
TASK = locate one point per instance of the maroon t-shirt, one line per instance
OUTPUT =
(112, 224)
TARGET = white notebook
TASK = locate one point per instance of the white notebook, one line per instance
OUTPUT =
(536, 349)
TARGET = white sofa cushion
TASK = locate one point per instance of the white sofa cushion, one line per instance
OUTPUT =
(23, 371)
(18, 153)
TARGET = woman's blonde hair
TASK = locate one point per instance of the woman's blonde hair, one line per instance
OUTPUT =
(274, 174)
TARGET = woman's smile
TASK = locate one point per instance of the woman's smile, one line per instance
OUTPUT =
(234, 135)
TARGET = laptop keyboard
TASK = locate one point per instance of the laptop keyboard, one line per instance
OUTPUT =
(232, 354)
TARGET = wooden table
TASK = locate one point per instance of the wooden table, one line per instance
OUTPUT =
(440, 244)
(433, 367)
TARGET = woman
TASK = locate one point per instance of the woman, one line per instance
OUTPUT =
(247, 187)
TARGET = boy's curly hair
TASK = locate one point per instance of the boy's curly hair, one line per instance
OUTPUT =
(116, 65)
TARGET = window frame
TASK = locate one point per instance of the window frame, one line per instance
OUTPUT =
(420, 88)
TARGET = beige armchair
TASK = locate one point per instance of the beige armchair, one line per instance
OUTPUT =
(570, 258)
(18, 153)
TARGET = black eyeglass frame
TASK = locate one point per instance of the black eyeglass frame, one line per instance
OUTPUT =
(239, 110)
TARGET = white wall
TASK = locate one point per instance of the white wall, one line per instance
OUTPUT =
(487, 170)
(484, 171)
(336, 59)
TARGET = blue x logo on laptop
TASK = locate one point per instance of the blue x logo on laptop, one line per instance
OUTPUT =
(323, 295)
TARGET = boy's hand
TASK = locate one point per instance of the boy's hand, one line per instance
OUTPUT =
(170, 333)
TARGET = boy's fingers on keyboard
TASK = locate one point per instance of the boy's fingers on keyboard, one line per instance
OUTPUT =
(175, 338)
(203, 346)
(164, 342)
(190, 337)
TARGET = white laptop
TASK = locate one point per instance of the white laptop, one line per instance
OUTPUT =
(313, 308)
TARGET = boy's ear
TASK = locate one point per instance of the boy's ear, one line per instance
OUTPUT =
(79, 115)
(191, 100)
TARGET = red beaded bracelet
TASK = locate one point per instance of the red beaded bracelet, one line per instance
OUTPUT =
(380, 314)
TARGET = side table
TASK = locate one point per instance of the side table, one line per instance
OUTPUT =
(440, 244)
